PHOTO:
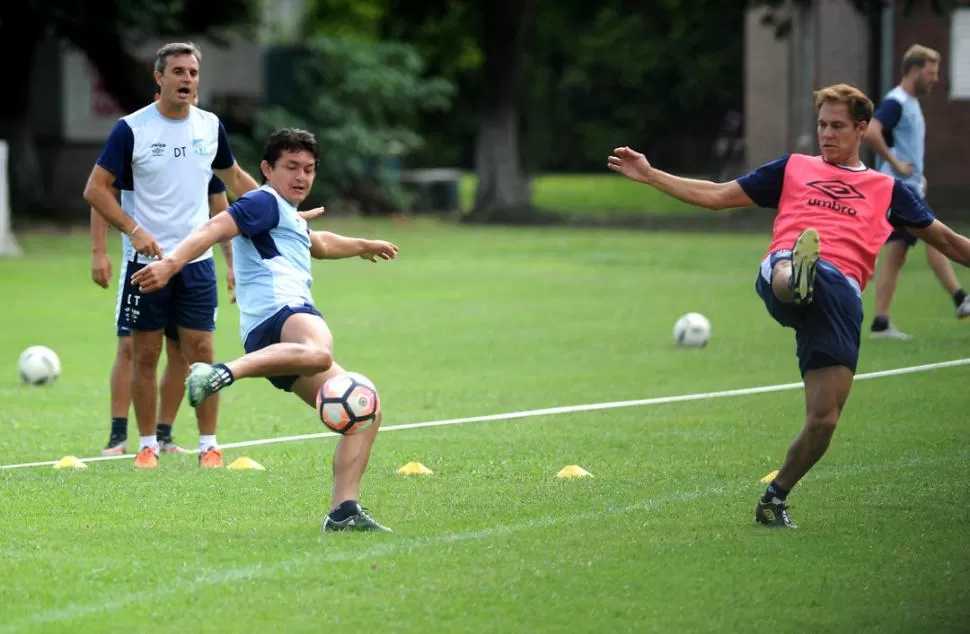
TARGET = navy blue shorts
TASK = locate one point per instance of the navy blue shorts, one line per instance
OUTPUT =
(121, 323)
(827, 331)
(171, 330)
(904, 236)
(189, 300)
(269, 332)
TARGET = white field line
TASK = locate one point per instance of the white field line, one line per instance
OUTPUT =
(397, 544)
(549, 411)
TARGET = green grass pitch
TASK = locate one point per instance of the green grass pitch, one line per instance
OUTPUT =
(478, 321)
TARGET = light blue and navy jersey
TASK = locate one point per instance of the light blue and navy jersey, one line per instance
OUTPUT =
(164, 168)
(271, 257)
(904, 130)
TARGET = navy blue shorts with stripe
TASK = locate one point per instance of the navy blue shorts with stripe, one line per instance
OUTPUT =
(827, 331)
(122, 329)
(188, 301)
(268, 332)
(903, 236)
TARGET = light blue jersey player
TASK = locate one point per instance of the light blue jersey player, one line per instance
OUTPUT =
(285, 337)
(166, 154)
(897, 133)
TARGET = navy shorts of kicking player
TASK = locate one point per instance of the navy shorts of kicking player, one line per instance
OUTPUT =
(269, 331)
(827, 331)
(189, 300)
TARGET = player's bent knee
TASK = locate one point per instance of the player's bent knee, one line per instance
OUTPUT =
(146, 354)
(198, 349)
(318, 359)
(173, 352)
(146, 365)
(823, 422)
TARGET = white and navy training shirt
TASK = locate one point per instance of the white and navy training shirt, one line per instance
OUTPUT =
(164, 167)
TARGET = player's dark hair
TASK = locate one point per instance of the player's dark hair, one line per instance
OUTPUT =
(175, 48)
(289, 140)
(860, 107)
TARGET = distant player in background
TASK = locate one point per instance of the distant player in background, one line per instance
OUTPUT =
(285, 337)
(171, 385)
(164, 155)
(831, 224)
(897, 133)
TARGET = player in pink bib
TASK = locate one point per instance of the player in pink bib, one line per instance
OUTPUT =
(834, 215)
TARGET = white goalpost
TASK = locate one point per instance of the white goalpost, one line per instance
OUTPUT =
(8, 244)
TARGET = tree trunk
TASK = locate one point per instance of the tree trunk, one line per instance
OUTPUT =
(503, 191)
(20, 31)
(502, 188)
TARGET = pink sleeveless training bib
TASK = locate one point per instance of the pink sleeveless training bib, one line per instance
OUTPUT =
(847, 207)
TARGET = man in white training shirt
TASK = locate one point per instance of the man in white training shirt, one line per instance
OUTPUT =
(171, 387)
(284, 335)
(168, 152)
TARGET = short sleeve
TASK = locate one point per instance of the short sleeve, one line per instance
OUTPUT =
(216, 186)
(224, 158)
(764, 184)
(889, 112)
(116, 154)
(908, 209)
(255, 212)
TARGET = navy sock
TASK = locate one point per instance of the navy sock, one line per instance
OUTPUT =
(163, 432)
(346, 509)
(959, 297)
(880, 323)
(225, 375)
(775, 490)
(119, 426)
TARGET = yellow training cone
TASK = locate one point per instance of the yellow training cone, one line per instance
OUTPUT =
(768, 478)
(574, 471)
(69, 462)
(246, 463)
(414, 468)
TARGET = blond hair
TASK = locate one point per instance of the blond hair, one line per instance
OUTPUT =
(860, 107)
(918, 56)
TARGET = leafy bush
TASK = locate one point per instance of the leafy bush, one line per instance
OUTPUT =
(362, 99)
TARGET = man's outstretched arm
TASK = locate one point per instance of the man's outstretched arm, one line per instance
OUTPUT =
(945, 240)
(909, 211)
(700, 193)
(325, 245)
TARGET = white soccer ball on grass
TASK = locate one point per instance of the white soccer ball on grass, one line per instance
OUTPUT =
(39, 365)
(692, 330)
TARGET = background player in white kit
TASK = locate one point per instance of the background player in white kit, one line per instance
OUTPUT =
(897, 133)
(167, 152)
(170, 387)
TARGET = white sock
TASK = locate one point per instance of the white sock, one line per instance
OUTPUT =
(207, 442)
(148, 441)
